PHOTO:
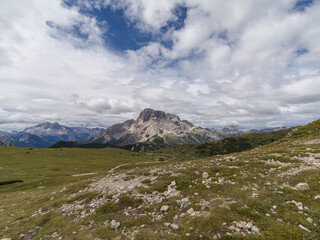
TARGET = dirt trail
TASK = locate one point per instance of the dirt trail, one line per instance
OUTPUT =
(125, 164)
(83, 174)
(112, 169)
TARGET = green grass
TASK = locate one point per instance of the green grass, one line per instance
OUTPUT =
(48, 185)
(224, 146)
(51, 167)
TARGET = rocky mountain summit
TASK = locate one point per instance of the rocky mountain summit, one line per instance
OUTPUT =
(154, 126)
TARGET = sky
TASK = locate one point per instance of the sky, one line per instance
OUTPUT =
(253, 64)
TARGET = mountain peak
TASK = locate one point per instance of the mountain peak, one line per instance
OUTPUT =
(149, 113)
(46, 125)
(229, 128)
(154, 125)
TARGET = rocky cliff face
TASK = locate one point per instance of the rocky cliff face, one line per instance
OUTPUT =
(153, 125)
(231, 131)
(6, 140)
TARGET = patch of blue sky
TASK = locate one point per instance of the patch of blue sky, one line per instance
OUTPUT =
(301, 5)
(121, 34)
(181, 13)
(301, 51)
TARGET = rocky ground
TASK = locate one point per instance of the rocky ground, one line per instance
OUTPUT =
(272, 192)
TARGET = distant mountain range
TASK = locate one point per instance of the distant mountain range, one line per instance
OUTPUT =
(150, 131)
(46, 134)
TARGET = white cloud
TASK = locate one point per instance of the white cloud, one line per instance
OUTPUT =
(245, 54)
(114, 106)
(198, 87)
(22, 108)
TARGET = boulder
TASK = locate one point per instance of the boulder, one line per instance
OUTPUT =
(174, 226)
(304, 228)
(164, 208)
(205, 175)
(302, 186)
(255, 229)
(184, 202)
(190, 211)
(114, 224)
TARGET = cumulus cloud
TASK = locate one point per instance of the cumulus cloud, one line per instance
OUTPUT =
(249, 63)
(114, 106)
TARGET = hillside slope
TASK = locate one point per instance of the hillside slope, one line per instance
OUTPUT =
(270, 192)
(225, 146)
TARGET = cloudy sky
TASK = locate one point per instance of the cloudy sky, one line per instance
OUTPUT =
(214, 62)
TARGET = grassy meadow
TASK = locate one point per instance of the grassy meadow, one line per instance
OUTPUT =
(257, 186)
(49, 167)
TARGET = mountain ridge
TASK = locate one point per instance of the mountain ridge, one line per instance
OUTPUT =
(46, 134)
(154, 124)
(152, 130)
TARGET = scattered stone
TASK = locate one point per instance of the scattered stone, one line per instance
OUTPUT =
(55, 235)
(174, 226)
(310, 220)
(243, 228)
(164, 208)
(205, 175)
(299, 205)
(248, 226)
(190, 211)
(114, 224)
(221, 180)
(240, 224)
(317, 197)
(302, 186)
(255, 195)
(167, 224)
(304, 228)
(255, 229)
(232, 228)
(173, 184)
(184, 202)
